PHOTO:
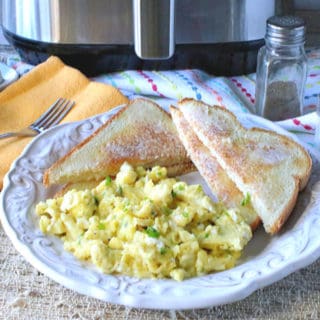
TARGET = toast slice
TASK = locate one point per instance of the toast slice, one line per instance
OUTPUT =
(269, 167)
(222, 187)
(141, 133)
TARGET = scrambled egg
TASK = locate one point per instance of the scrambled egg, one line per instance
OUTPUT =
(144, 224)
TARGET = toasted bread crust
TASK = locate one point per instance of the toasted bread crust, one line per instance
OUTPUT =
(269, 166)
(141, 133)
(218, 181)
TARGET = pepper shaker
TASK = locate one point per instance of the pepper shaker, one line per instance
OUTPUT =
(281, 69)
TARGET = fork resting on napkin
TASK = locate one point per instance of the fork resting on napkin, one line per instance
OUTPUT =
(25, 100)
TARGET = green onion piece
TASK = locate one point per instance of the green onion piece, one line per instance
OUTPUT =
(185, 214)
(246, 199)
(163, 250)
(152, 232)
(108, 181)
(101, 226)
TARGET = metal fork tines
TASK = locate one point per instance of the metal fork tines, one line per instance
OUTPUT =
(55, 113)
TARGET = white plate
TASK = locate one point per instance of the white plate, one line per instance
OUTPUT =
(8, 75)
(265, 260)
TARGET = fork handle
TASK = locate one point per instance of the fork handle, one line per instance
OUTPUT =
(22, 133)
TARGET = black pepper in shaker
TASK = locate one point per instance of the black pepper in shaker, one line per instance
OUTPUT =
(281, 69)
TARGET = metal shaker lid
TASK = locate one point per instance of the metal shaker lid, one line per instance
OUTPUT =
(286, 29)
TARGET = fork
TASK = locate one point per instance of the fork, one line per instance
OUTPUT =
(55, 113)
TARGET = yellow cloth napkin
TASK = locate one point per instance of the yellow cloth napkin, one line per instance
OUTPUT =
(25, 100)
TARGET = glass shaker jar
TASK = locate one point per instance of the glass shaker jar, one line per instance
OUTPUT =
(281, 69)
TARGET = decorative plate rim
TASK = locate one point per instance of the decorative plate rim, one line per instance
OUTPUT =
(23, 188)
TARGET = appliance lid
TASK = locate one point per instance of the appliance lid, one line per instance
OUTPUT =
(152, 26)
